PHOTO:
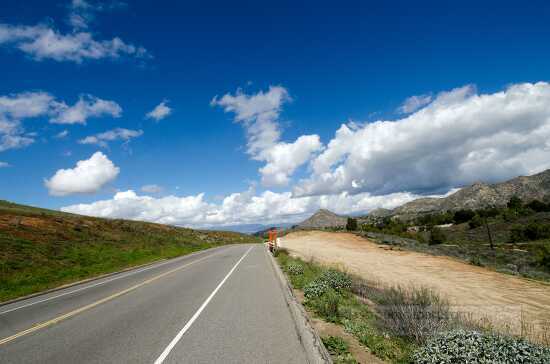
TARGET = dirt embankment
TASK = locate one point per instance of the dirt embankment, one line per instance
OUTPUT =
(510, 303)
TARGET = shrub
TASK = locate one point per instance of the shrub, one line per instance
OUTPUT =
(515, 203)
(295, 269)
(462, 216)
(437, 236)
(327, 305)
(543, 257)
(315, 288)
(335, 345)
(414, 314)
(475, 222)
(516, 234)
(538, 206)
(461, 346)
(339, 349)
(336, 279)
(351, 224)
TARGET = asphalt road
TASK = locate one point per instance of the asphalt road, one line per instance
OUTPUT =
(222, 305)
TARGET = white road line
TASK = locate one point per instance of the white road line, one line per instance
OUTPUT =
(90, 286)
(178, 337)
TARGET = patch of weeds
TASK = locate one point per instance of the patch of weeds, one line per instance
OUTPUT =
(295, 269)
(338, 349)
(380, 344)
(461, 346)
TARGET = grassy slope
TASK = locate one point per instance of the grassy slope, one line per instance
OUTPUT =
(41, 249)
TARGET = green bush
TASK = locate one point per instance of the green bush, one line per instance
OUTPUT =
(543, 257)
(295, 269)
(316, 288)
(339, 350)
(336, 279)
(475, 222)
(351, 224)
(327, 305)
(538, 206)
(462, 216)
(515, 203)
(459, 346)
(437, 236)
(533, 231)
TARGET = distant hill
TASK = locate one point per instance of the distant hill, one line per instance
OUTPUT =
(251, 228)
(323, 219)
(42, 248)
(479, 195)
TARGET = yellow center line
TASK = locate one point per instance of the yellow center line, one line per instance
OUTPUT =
(97, 303)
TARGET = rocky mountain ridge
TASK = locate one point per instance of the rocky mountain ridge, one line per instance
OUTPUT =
(476, 196)
(480, 195)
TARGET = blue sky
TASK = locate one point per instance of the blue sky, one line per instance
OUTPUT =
(355, 64)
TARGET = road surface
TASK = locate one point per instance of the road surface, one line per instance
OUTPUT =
(222, 305)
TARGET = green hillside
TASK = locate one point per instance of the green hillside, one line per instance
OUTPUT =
(41, 248)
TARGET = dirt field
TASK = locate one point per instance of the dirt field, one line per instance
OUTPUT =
(511, 304)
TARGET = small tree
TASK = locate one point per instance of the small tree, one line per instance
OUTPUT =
(437, 236)
(514, 203)
(462, 216)
(351, 225)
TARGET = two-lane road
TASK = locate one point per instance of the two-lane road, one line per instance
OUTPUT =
(222, 305)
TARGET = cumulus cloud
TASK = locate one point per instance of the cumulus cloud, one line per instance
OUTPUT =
(259, 113)
(151, 189)
(102, 139)
(238, 208)
(159, 112)
(13, 109)
(88, 176)
(414, 103)
(42, 41)
(86, 107)
(459, 138)
(16, 107)
(4, 165)
(284, 158)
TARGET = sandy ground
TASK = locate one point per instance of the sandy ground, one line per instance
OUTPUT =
(510, 303)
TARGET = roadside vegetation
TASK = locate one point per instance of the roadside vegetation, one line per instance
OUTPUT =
(400, 325)
(41, 249)
(514, 239)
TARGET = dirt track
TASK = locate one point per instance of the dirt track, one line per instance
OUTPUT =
(503, 299)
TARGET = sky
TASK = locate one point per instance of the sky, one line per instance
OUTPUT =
(209, 114)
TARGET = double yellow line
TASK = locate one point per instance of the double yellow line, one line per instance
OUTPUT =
(97, 303)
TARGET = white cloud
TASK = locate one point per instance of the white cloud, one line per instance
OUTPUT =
(86, 107)
(159, 112)
(237, 208)
(459, 138)
(44, 42)
(414, 103)
(88, 176)
(4, 165)
(16, 107)
(259, 114)
(62, 134)
(284, 158)
(151, 189)
(102, 139)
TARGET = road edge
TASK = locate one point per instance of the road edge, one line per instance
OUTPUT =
(105, 275)
(310, 340)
